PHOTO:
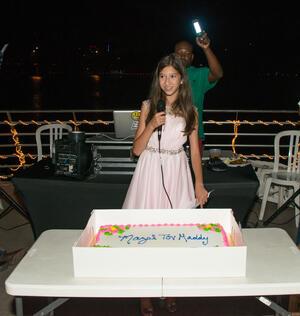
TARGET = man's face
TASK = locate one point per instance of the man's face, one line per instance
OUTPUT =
(184, 51)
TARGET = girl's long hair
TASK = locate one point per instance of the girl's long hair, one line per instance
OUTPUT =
(183, 106)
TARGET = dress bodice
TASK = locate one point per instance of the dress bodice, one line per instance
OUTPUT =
(172, 136)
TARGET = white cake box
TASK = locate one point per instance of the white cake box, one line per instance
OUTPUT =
(146, 262)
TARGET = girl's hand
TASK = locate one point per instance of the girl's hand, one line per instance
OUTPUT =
(201, 194)
(158, 120)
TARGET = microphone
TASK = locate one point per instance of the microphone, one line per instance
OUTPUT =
(161, 106)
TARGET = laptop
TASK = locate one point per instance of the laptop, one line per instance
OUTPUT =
(126, 123)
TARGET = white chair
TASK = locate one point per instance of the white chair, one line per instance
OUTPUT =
(286, 142)
(263, 169)
(54, 132)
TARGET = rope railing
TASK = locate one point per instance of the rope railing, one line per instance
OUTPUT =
(93, 122)
(258, 122)
(43, 122)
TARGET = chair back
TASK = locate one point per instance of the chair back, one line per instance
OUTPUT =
(55, 131)
(290, 140)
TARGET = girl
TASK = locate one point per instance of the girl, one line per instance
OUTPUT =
(162, 178)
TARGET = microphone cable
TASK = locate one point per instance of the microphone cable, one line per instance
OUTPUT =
(161, 108)
(163, 183)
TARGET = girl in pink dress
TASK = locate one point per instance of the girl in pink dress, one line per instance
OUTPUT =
(162, 178)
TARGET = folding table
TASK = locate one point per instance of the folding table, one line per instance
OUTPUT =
(273, 268)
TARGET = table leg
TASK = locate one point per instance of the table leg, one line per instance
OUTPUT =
(19, 306)
(275, 307)
(50, 307)
(50, 300)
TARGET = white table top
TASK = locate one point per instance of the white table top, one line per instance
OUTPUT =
(273, 268)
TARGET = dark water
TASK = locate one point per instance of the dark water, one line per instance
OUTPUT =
(84, 91)
(112, 91)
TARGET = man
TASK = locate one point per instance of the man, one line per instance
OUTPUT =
(201, 79)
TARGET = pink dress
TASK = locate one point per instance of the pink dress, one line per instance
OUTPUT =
(146, 189)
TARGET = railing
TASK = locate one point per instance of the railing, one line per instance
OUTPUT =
(247, 133)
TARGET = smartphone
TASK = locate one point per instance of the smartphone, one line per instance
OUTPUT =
(197, 27)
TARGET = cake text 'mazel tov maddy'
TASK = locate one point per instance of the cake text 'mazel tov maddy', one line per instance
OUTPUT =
(130, 239)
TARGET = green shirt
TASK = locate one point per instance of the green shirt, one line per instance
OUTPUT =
(198, 78)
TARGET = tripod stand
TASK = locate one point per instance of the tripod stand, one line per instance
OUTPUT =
(11, 204)
(285, 205)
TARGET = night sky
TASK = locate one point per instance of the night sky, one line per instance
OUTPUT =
(257, 42)
(238, 29)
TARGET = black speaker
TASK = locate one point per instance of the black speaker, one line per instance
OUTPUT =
(72, 156)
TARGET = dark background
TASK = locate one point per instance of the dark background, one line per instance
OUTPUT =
(257, 43)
